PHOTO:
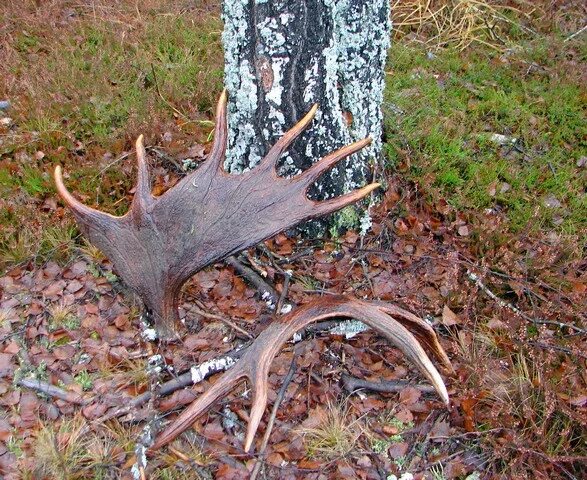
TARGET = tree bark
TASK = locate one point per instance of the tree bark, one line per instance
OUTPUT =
(281, 57)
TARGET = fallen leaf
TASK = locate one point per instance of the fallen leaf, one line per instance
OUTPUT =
(409, 395)
(449, 318)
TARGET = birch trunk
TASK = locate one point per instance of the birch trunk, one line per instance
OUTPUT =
(283, 56)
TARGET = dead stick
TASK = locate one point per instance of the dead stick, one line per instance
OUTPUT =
(267, 291)
(394, 386)
(284, 292)
(276, 405)
(52, 391)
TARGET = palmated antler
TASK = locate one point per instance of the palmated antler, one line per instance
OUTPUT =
(162, 241)
(399, 326)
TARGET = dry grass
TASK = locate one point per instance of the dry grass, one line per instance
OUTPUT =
(91, 253)
(127, 373)
(336, 432)
(456, 23)
(17, 248)
(62, 316)
(57, 243)
(60, 452)
(519, 405)
(68, 451)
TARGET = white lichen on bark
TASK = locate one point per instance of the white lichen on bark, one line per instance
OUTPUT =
(200, 372)
(283, 56)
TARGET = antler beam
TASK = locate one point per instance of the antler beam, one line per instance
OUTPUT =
(393, 322)
(162, 241)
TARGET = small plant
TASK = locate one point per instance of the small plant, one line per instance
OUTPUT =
(62, 316)
(84, 379)
(437, 472)
(308, 282)
(14, 446)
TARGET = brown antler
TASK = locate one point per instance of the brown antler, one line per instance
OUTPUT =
(391, 321)
(162, 241)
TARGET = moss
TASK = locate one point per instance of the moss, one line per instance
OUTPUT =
(447, 109)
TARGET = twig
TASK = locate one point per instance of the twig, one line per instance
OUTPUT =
(165, 101)
(502, 303)
(283, 295)
(52, 391)
(351, 384)
(578, 32)
(120, 158)
(276, 405)
(268, 293)
(556, 348)
(167, 158)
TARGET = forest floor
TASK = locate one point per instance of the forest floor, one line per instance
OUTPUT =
(482, 231)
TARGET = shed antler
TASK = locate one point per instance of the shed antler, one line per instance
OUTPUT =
(162, 241)
(396, 324)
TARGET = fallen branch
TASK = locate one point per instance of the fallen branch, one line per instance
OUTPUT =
(267, 292)
(52, 391)
(352, 384)
(502, 303)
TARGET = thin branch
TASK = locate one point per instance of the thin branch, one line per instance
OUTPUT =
(222, 319)
(195, 375)
(52, 391)
(556, 348)
(268, 293)
(283, 296)
(578, 32)
(351, 384)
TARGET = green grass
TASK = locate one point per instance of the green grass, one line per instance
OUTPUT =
(442, 111)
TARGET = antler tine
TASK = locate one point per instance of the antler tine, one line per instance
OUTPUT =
(86, 216)
(143, 196)
(255, 363)
(312, 174)
(218, 152)
(423, 332)
(286, 140)
(260, 387)
(328, 206)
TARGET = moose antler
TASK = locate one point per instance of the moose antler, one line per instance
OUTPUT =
(393, 322)
(162, 241)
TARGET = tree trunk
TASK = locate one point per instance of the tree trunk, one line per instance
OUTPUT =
(281, 57)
